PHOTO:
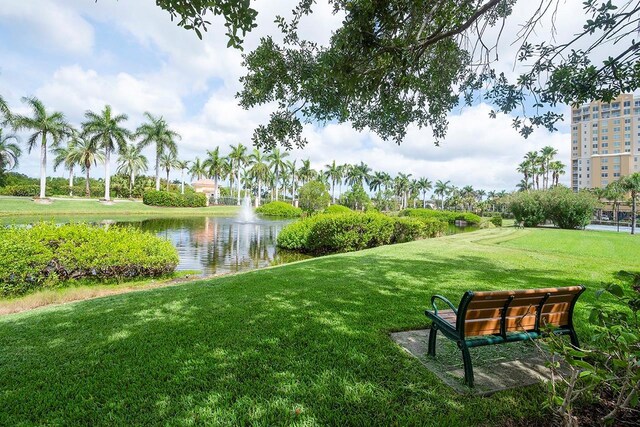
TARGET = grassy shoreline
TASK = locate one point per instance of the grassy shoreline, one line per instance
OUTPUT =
(26, 207)
(304, 343)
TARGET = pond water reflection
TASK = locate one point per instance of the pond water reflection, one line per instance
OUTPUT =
(218, 245)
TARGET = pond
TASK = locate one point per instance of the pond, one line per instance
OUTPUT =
(219, 245)
(212, 245)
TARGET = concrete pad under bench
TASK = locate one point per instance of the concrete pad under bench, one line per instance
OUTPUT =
(497, 367)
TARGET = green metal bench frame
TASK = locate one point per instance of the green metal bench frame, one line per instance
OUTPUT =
(464, 344)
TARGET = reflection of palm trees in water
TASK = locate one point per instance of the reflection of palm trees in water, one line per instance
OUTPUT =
(218, 245)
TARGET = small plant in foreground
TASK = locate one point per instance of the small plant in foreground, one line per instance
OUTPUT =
(610, 365)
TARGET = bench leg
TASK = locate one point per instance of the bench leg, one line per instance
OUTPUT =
(432, 340)
(574, 339)
(468, 366)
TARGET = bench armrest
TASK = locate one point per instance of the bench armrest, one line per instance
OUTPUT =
(443, 299)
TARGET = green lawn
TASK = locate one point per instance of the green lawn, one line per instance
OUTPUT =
(23, 206)
(304, 343)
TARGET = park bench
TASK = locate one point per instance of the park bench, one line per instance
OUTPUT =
(486, 318)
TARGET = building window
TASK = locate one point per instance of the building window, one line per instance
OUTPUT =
(626, 111)
(604, 175)
(627, 103)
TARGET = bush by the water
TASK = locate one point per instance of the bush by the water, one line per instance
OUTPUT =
(565, 208)
(337, 209)
(329, 233)
(448, 216)
(46, 255)
(281, 209)
(496, 219)
(176, 200)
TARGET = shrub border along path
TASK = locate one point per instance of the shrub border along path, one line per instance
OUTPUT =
(304, 343)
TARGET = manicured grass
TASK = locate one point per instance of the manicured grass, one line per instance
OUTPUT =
(23, 206)
(304, 343)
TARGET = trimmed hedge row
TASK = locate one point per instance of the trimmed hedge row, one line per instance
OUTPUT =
(47, 255)
(281, 209)
(330, 233)
(448, 216)
(175, 200)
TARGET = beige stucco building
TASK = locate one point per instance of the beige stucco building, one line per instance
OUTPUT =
(605, 141)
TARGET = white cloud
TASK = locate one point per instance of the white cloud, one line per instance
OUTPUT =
(50, 24)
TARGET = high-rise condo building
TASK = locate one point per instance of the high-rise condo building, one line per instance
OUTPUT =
(605, 141)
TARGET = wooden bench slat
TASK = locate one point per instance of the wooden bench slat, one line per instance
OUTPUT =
(533, 292)
(519, 301)
(514, 324)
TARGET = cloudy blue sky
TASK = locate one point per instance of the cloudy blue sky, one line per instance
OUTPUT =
(78, 54)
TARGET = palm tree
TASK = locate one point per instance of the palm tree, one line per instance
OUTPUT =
(45, 126)
(376, 182)
(9, 151)
(238, 156)
(167, 162)
(132, 162)
(424, 185)
(305, 172)
(156, 131)
(557, 168)
(104, 130)
(441, 189)
(276, 162)
(533, 161)
(182, 165)
(334, 174)
(5, 113)
(259, 171)
(402, 186)
(85, 153)
(197, 169)
(546, 156)
(214, 165)
(64, 155)
(631, 183)
(524, 185)
(291, 167)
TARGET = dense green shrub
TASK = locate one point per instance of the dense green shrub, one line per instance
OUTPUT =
(313, 197)
(448, 216)
(48, 255)
(527, 208)
(281, 209)
(560, 205)
(329, 233)
(177, 200)
(295, 236)
(23, 190)
(349, 232)
(567, 209)
(496, 219)
(337, 209)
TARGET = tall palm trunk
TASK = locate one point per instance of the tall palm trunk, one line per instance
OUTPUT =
(133, 177)
(168, 172)
(107, 173)
(182, 182)
(157, 171)
(238, 176)
(259, 193)
(277, 183)
(333, 191)
(43, 166)
(424, 199)
(216, 194)
(87, 189)
(71, 181)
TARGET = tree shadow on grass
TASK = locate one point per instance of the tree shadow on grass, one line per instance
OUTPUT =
(305, 343)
